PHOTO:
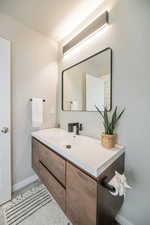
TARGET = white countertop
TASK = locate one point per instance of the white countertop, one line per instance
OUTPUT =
(86, 152)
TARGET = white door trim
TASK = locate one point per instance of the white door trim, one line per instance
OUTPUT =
(5, 120)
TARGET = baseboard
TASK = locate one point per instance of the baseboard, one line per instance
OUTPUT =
(24, 183)
(123, 221)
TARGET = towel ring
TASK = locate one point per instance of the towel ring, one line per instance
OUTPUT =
(106, 185)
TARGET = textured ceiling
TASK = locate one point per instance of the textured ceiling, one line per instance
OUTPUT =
(55, 18)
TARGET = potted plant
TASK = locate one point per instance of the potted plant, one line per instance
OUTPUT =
(109, 137)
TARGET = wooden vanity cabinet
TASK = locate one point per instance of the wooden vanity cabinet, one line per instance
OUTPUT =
(82, 197)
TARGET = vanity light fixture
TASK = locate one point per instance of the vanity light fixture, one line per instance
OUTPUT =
(96, 25)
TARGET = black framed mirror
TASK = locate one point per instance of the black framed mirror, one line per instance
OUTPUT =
(88, 83)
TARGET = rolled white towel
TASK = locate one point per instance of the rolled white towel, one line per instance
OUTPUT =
(120, 183)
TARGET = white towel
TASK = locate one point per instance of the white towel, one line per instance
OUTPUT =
(120, 183)
(37, 112)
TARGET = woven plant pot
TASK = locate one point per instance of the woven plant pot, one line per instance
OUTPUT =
(108, 140)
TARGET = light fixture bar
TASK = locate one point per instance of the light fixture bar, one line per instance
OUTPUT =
(91, 28)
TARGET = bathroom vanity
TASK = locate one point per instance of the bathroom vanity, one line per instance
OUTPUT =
(75, 175)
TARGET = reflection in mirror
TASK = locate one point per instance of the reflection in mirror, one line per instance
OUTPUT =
(88, 83)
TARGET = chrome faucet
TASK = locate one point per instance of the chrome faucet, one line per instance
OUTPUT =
(77, 125)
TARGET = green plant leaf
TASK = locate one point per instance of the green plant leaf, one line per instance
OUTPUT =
(120, 115)
(113, 121)
(105, 127)
(99, 111)
(106, 120)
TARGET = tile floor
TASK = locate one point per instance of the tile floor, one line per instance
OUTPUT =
(21, 191)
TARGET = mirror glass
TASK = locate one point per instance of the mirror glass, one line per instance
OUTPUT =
(88, 83)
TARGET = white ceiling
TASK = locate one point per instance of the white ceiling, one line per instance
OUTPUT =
(55, 18)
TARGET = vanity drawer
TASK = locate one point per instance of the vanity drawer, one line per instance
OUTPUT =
(55, 164)
(56, 189)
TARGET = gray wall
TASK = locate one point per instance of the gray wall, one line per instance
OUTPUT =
(129, 37)
(34, 74)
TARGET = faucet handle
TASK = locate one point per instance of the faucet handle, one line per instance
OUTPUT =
(70, 127)
(80, 127)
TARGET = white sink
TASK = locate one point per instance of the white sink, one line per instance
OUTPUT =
(85, 152)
